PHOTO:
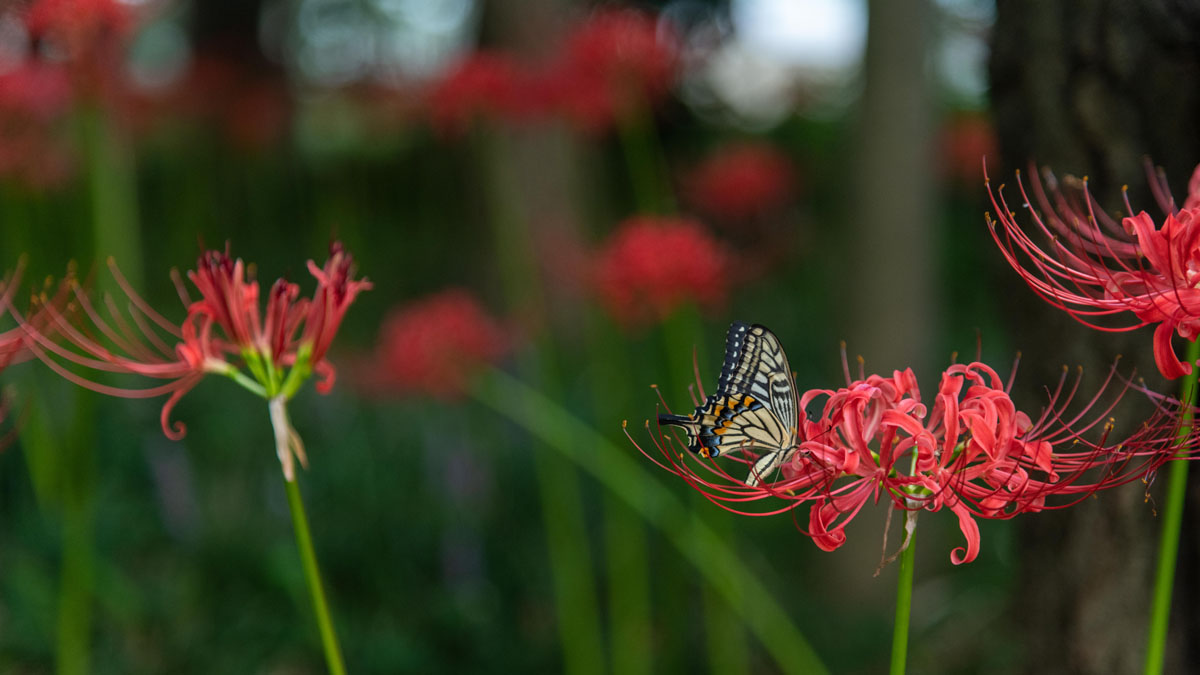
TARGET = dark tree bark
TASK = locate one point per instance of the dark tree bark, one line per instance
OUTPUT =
(1091, 87)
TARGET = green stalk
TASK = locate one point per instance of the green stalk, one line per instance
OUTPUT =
(625, 543)
(112, 184)
(624, 535)
(574, 591)
(75, 590)
(726, 643)
(904, 584)
(112, 189)
(1168, 547)
(284, 438)
(628, 481)
(575, 599)
(644, 160)
(628, 589)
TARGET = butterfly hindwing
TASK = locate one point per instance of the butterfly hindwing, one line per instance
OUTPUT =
(754, 406)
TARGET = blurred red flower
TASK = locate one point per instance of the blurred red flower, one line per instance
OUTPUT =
(434, 346)
(614, 62)
(972, 452)
(80, 28)
(90, 36)
(1093, 267)
(35, 101)
(741, 181)
(486, 85)
(247, 102)
(652, 265)
(222, 333)
(966, 139)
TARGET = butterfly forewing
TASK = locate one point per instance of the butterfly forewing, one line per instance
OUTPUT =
(754, 406)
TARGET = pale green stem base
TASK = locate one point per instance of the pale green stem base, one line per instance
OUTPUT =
(1168, 547)
(904, 584)
(628, 481)
(308, 557)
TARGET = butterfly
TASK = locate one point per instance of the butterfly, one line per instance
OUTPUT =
(754, 407)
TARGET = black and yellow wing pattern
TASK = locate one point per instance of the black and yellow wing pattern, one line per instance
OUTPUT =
(754, 407)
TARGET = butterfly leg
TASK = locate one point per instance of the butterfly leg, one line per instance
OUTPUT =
(767, 464)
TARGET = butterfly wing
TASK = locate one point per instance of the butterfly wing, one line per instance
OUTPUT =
(754, 405)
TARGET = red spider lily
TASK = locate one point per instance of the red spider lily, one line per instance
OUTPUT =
(14, 348)
(741, 181)
(965, 137)
(79, 27)
(222, 332)
(247, 103)
(35, 101)
(90, 35)
(487, 85)
(652, 265)
(1093, 267)
(972, 452)
(613, 63)
(433, 346)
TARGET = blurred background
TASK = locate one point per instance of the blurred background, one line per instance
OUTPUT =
(612, 185)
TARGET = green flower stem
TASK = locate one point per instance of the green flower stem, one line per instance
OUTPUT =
(112, 184)
(1168, 547)
(75, 590)
(904, 584)
(113, 194)
(626, 555)
(644, 159)
(308, 558)
(576, 604)
(628, 481)
(68, 467)
(625, 545)
(726, 643)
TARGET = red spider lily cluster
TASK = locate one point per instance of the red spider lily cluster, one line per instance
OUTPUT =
(35, 101)
(68, 51)
(224, 331)
(79, 29)
(1093, 267)
(971, 452)
(613, 63)
(741, 181)
(486, 84)
(652, 265)
(435, 345)
(90, 36)
(608, 67)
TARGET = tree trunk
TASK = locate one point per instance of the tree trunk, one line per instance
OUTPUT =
(1091, 87)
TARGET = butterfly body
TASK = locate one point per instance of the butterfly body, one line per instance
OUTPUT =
(754, 407)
